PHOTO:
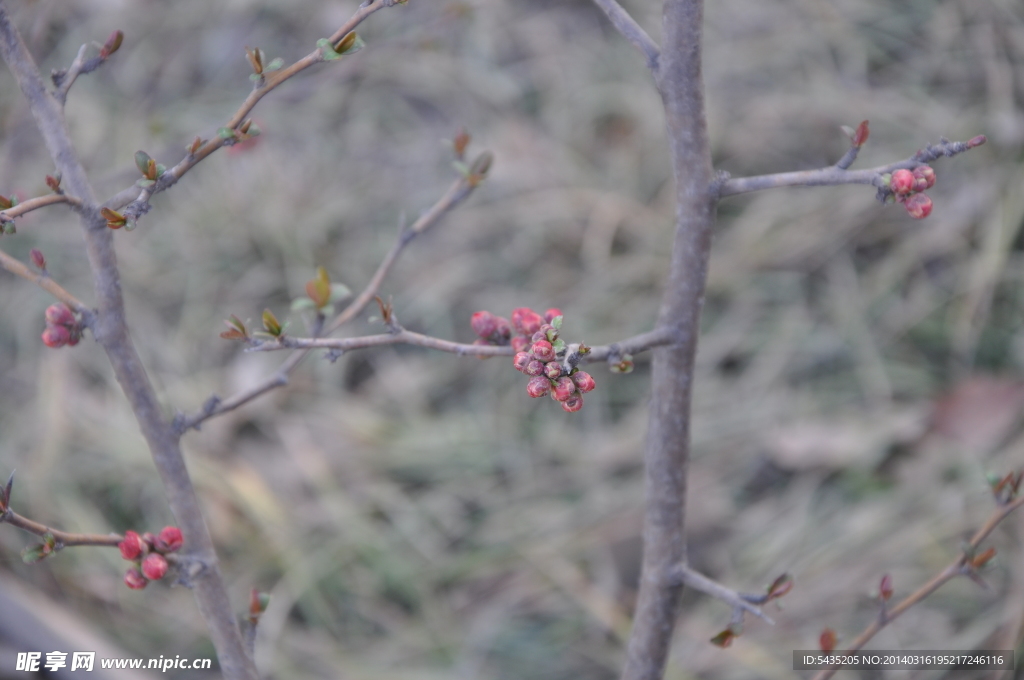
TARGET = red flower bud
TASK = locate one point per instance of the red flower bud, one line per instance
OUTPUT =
(535, 367)
(521, 360)
(526, 321)
(918, 206)
(154, 566)
(538, 386)
(552, 313)
(584, 381)
(60, 314)
(131, 546)
(902, 182)
(37, 258)
(976, 141)
(56, 336)
(134, 580)
(169, 539)
(553, 370)
(520, 343)
(563, 389)
(573, 403)
(484, 324)
(924, 177)
(542, 350)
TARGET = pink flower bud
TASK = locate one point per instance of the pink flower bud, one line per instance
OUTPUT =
(131, 546)
(169, 539)
(924, 177)
(535, 367)
(56, 336)
(918, 206)
(563, 389)
(553, 370)
(573, 403)
(37, 258)
(526, 321)
(484, 324)
(154, 566)
(584, 381)
(546, 332)
(902, 182)
(976, 141)
(503, 331)
(542, 350)
(538, 386)
(60, 315)
(520, 343)
(134, 580)
(521, 360)
(550, 315)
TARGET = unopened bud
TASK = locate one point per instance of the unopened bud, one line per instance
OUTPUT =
(543, 350)
(584, 381)
(924, 177)
(154, 566)
(169, 539)
(902, 182)
(573, 403)
(37, 258)
(538, 386)
(484, 324)
(134, 580)
(131, 546)
(521, 360)
(60, 314)
(56, 336)
(563, 389)
(553, 370)
(918, 206)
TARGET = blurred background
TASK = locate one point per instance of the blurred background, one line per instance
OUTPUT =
(415, 515)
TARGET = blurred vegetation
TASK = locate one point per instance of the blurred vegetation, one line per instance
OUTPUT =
(415, 515)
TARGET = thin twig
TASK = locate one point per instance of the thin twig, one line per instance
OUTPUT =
(402, 336)
(64, 80)
(31, 204)
(835, 175)
(64, 539)
(631, 31)
(140, 205)
(456, 193)
(688, 577)
(959, 567)
(43, 280)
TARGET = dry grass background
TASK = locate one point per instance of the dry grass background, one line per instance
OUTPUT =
(416, 516)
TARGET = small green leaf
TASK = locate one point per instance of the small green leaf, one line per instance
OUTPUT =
(271, 324)
(142, 160)
(302, 304)
(327, 49)
(557, 322)
(275, 64)
(160, 169)
(143, 183)
(226, 133)
(255, 77)
(339, 292)
(558, 346)
(461, 168)
(350, 44)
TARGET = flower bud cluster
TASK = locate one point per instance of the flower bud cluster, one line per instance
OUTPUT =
(548, 361)
(147, 552)
(908, 188)
(62, 328)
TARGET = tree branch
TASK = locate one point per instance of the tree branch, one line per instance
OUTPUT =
(835, 175)
(31, 204)
(271, 80)
(959, 567)
(668, 436)
(43, 280)
(401, 336)
(64, 539)
(214, 406)
(688, 577)
(631, 31)
(111, 331)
